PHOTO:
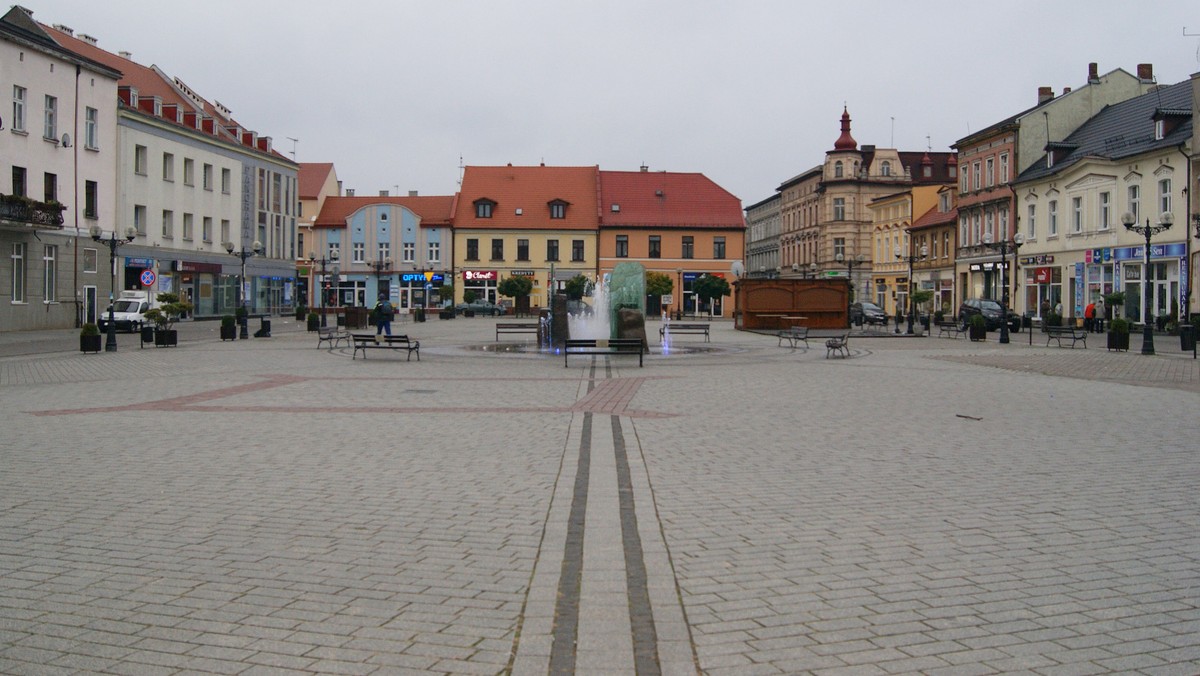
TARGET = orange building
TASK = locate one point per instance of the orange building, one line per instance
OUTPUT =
(680, 224)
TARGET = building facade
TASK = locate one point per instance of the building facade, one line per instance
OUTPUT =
(762, 238)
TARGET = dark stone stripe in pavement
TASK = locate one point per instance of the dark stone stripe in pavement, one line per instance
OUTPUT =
(641, 614)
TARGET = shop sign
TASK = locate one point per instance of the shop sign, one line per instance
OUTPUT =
(1037, 260)
(522, 273)
(189, 266)
(132, 262)
(1042, 275)
(421, 278)
(479, 275)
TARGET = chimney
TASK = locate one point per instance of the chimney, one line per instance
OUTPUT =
(1066, 90)
(64, 29)
(1045, 94)
(339, 188)
(126, 55)
(412, 193)
(88, 39)
(1145, 72)
(644, 168)
(349, 192)
(1093, 73)
(384, 193)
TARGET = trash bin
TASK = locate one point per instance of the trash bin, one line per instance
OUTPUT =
(264, 328)
(1187, 337)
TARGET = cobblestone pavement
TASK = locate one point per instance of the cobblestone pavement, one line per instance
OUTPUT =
(925, 506)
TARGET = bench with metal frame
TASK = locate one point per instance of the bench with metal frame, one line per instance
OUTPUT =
(614, 346)
(332, 335)
(1058, 333)
(516, 327)
(367, 341)
(794, 335)
(838, 345)
(682, 327)
(955, 329)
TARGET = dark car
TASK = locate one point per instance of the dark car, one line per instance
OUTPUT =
(992, 313)
(868, 313)
(479, 307)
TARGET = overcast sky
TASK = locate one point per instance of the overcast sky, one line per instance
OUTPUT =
(750, 93)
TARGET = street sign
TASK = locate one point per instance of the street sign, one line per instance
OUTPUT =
(148, 278)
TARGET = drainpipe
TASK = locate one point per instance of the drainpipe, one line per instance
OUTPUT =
(75, 203)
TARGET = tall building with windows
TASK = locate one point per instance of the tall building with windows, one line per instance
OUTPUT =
(58, 149)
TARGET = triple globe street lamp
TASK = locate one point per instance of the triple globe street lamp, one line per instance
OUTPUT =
(1004, 245)
(911, 258)
(256, 250)
(842, 259)
(324, 289)
(1164, 222)
(112, 242)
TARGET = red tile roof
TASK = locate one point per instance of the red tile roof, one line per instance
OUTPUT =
(667, 199)
(530, 190)
(434, 210)
(312, 178)
(934, 217)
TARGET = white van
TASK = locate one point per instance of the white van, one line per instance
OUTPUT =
(129, 311)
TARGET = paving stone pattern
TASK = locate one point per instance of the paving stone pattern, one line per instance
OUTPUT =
(926, 506)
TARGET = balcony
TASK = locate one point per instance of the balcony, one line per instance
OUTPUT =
(22, 211)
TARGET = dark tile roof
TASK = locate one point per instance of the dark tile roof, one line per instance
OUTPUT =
(1121, 130)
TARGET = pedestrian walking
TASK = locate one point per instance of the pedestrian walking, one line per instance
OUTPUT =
(383, 315)
(1089, 317)
(1101, 315)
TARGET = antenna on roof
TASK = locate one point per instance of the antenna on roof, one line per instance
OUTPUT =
(892, 140)
(928, 144)
(1192, 35)
(461, 168)
(294, 142)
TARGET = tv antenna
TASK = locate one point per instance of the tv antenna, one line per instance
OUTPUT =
(1192, 35)
(294, 142)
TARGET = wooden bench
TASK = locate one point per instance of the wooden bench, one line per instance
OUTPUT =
(1058, 333)
(794, 335)
(332, 335)
(516, 327)
(681, 327)
(629, 346)
(953, 328)
(838, 345)
(367, 341)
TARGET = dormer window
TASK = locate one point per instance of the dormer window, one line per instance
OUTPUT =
(483, 208)
(837, 169)
(558, 209)
(1160, 129)
(885, 168)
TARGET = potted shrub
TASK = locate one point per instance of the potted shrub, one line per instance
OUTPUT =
(164, 317)
(314, 321)
(977, 328)
(301, 312)
(1118, 334)
(89, 338)
(228, 328)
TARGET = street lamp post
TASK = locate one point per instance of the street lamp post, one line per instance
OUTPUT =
(112, 242)
(679, 303)
(313, 260)
(1003, 245)
(850, 263)
(379, 266)
(1148, 230)
(911, 258)
(256, 250)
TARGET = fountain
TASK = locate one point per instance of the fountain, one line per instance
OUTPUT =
(623, 289)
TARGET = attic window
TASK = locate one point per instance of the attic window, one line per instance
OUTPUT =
(616, 208)
(1160, 129)
(558, 209)
(483, 208)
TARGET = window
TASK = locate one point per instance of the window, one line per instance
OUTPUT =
(18, 272)
(18, 181)
(168, 223)
(50, 126)
(187, 226)
(885, 168)
(91, 260)
(224, 229)
(975, 175)
(837, 169)
(577, 250)
(409, 252)
(839, 247)
(1053, 208)
(226, 180)
(946, 244)
(1134, 201)
(655, 246)
(962, 233)
(51, 186)
(435, 252)
(18, 114)
(189, 171)
(963, 186)
(1004, 224)
(989, 226)
(1105, 211)
(91, 197)
(1004, 167)
(622, 246)
(1160, 129)
(522, 249)
(718, 247)
(483, 209)
(976, 229)
(385, 250)
(359, 251)
(207, 176)
(558, 209)
(689, 246)
(1031, 222)
(1164, 196)
(90, 122)
(139, 219)
(168, 167)
(497, 249)
(552, 249)
(839, 208)
(139, 160)
(335, 251)
(49, 273)
(990, 171)
(1076, 214)
(206, 231)
(472, 249)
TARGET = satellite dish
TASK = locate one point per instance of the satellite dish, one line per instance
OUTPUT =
(66, 141)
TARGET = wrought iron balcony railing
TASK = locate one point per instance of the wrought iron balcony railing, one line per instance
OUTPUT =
(24, 210)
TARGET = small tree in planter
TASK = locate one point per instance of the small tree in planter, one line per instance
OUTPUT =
(164, 317)
(228, 328)
(89, 338)
(921, 299)
(314, 321)
(517, 288)
(710, 287)
(1118, 335)
(977, 328)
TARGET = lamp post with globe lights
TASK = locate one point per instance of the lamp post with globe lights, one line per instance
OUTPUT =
(322, 288)
(256, 250)
(1148, 230)
(112, 242)
(1004, 246)
(911, 258)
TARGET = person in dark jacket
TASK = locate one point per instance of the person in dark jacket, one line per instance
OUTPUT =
(384, 312)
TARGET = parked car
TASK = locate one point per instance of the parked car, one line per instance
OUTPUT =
(992, 313)
(479, 307)
(868, 313)
(129, 312)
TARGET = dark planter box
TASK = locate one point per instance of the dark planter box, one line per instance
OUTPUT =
(314, 323)
(977, 333)
(229, 332)
(446, 314)
(90, 343)
(1187, 337)
(166, 338)
(301, 314)
(1118, 341)
(468, 313)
